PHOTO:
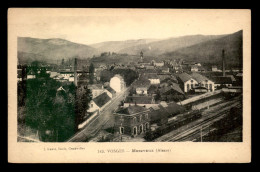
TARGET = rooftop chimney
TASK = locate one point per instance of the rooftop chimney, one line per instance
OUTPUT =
(75, 72)
(223, 63)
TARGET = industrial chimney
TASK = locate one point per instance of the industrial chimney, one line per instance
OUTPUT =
(75, 72)
(141, 56)
(223, 63)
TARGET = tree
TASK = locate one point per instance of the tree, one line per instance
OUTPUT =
(105, 76)
(21, 90)
(43, 73)
(50, 110)
(91, 73)
(131, 91)
(64, 120)
(40, 94)
(83, 98)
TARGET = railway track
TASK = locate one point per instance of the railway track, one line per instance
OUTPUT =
(196, 133)
(206, 122)
(195, 128)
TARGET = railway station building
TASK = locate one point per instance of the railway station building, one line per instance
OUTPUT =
(133, 120)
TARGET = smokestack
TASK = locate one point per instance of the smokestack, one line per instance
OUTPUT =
(75, 72)
(223, 63)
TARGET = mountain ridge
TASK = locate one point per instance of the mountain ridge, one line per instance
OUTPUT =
(190, 47)
(53, 48)
(211, 51)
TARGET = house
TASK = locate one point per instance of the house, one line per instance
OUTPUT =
(54, 74)
(159, 115)
(176, 88)
(187, 82)
(153, 78)
(31, 74)
(214, 68)
(149, 67)
(141, 90)
(187, 63)
(152, 90)
(99, 102)
(117, 83)
(222, 81)
(133, 120)
(194, 68)
(167, 80)
(71, 78)
(96, 89)
(232, 78)
(110, 92)
(177, 68)
(197, 64)
(172, 108)
(165, 69)
(158, 64)
(141, 85)
(146, 101)
(171, 93)
(149, 71)
(143, 81)
(66, 74)
(203, 81)
(201, 69)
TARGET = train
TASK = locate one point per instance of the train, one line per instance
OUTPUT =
(174, 123)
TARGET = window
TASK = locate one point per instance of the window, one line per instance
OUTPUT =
(135, 130)
(134, 120)
(206, 85)
(121, 130)
(141, 128)
(210, 87)
(121, 119)
(146, 115)
(91, 105)
(188, 87)
(140, 118)
(146, 126)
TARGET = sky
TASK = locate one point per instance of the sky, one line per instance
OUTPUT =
(88, 26)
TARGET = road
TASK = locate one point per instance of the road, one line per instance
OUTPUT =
(105, 119)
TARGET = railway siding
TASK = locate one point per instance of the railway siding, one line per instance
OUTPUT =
(210, 115)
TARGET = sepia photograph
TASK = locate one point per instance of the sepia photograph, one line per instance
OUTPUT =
(129, 75)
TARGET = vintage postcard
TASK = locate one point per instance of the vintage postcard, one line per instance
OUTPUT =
(129, 85)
